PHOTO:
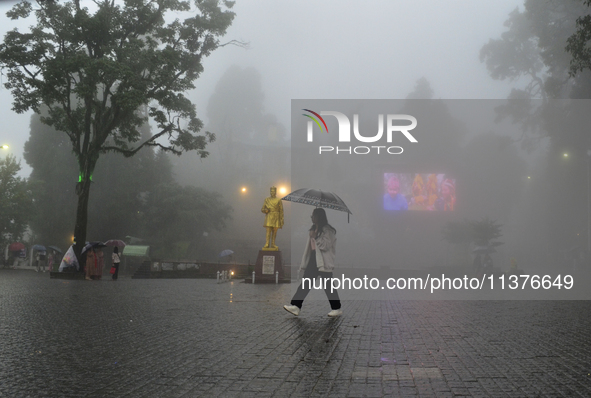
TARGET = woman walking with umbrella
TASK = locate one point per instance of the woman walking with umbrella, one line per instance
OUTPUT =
(318, 260)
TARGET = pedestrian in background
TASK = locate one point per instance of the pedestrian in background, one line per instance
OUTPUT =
(116, 261)
(100, 263)
(90, 268)
(40, 259)
(50, 259)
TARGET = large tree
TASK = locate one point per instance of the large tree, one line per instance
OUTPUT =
(118, 183)
(95, 69)
(131, 196)
(543, 52)
(532, 52)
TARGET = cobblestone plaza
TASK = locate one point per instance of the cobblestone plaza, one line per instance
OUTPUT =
(196, 338)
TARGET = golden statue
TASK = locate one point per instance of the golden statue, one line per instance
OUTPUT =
(273, 208)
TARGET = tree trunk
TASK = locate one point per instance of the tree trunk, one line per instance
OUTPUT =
(83, 191)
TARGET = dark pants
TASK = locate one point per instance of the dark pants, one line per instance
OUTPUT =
(116, 266)
(312, 273)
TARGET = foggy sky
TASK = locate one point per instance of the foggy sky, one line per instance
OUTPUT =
(337, 49)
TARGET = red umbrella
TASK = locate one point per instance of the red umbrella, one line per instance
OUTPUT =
(115, 242)
(16, 246)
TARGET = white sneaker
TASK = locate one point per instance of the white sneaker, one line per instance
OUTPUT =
(293, 309)
(338, 312)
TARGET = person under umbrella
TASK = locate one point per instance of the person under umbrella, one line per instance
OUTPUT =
(318, 260)
(91, 264)
(116, 261)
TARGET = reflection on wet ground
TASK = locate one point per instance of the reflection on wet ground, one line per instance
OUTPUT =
(192, 338)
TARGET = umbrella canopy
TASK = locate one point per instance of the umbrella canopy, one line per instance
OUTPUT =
(115, 242)
(318, 198)
(92, 244)
(40, 249)
(226, 252)
(55, 248)
(16, 246)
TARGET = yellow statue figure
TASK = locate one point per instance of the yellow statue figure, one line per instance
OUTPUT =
(273, 208)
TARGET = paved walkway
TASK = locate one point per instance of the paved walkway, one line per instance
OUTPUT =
(195, 338)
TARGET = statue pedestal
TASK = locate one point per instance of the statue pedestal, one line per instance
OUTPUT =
(268, 263)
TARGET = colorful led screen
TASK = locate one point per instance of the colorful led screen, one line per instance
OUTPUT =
(414, 191)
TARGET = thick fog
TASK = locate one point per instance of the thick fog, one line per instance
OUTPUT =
(425, 58)
(337, 49)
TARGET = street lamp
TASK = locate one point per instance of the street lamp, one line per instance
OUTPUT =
(5, 146)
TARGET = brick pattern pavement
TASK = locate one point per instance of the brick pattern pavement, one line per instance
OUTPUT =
(195, 338)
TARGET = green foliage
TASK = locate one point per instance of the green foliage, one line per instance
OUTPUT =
(119, 187)
(578, 44)
(15, 201)
(95, 70)
(480, 233)
(484, 231)
(129, 195)
(533, 47)
(533, 50)
(175, 213)
(553, 35)
(516, 53)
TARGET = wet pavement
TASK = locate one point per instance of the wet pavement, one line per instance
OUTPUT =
(196, 338)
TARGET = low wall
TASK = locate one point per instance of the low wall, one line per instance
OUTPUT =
(187, 269)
